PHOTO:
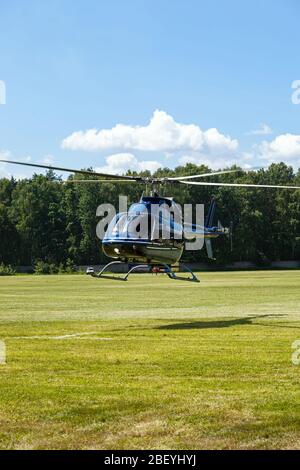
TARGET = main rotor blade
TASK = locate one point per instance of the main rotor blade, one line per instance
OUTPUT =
(202, 175)
(71, 170)
(214, 173)
(239, 185)
(99, 181)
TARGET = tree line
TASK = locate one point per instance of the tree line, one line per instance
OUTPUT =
(46, 219)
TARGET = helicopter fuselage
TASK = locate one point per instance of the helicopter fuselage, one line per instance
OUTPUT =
(152, 246)
(144, 251)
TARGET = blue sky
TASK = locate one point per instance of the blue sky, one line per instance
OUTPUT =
(73, 66)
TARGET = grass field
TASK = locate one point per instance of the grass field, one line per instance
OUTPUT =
(151, 363)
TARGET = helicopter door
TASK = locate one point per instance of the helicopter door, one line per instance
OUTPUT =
(169, 228)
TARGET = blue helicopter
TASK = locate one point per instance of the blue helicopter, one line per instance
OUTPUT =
(160, 244)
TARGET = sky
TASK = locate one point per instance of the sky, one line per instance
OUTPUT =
(141, 84)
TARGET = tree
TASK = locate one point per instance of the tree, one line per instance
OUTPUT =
(42, 219)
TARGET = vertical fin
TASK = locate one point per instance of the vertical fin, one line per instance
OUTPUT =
(211, 213)
(209, 248)
(209, 224)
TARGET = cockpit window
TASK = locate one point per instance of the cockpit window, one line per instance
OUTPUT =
(132, 227)
(137, 209)
(144, 222)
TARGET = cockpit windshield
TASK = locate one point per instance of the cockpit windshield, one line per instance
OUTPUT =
(145, 221)
(130, 225)
(137, 209)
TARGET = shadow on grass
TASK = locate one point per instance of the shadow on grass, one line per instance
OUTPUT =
(213, 324)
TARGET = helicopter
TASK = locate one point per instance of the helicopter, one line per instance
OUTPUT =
(160, 245)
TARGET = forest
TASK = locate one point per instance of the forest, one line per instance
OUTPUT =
(49, 219)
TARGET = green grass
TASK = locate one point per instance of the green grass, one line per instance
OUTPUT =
(156, 363)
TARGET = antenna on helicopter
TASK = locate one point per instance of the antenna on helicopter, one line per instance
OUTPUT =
(231, 235)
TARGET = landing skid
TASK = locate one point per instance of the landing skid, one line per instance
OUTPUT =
(115, 278)
(167, 270)
(173, 275)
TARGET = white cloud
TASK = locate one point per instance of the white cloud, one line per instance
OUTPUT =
(121, 162)
(284, 148)
(9, 171)
(244, 160)
(4, 155)
(162, 134)
(48, 160)
(264, 129)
